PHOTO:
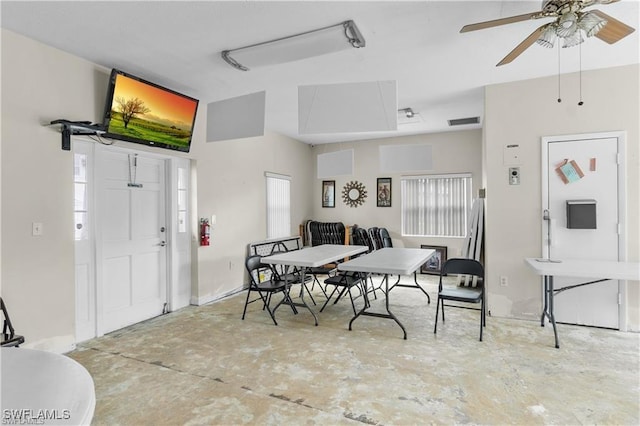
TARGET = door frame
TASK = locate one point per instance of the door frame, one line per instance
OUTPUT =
(175, 288)
(621, 137)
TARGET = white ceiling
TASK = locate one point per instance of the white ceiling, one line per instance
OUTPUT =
(440, 73)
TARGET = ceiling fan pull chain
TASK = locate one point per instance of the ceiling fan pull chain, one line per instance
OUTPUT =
(580, 103)
(559, 97)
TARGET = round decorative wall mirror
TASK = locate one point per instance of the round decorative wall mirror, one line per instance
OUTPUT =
(354, 193)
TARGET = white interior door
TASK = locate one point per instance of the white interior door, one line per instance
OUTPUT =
(596, 166)
(132, 257)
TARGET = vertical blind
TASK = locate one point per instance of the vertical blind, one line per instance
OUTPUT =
(436, 205)
(278, 205)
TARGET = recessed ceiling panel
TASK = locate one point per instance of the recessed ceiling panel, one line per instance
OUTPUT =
(348, 107)
(337, 163)
(235, 118)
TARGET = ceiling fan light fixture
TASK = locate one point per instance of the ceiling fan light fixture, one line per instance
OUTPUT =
(567, 25)
(591, 23)
(548, 36)
(573, 40)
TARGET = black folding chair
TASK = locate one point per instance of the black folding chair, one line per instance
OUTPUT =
(9, 336)
(344, 281)
(265, 288)
(468, 290)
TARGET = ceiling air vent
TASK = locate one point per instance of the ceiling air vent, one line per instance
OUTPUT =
(463, 121)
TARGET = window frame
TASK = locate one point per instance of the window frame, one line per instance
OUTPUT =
(467, 204)
(270, 226)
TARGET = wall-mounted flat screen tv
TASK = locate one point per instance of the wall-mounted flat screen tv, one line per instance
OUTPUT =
(142, 112)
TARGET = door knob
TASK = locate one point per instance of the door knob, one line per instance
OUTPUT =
(162, 243)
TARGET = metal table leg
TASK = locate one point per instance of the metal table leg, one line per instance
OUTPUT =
(548, 306)
(293, 304)
(389, 314)
(416, 285)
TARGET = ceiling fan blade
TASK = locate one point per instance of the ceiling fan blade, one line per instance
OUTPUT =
(522, 46)
(614, 30)
(501, 21)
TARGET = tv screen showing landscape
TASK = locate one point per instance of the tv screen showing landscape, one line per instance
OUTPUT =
(142, 112)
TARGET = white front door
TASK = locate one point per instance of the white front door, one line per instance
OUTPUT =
(132, 237)
(590, 178)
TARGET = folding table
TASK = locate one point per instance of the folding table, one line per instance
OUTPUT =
(311, 257)
(596, 270)
(386, 261)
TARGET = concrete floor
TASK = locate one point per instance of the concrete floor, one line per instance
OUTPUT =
(204, 365)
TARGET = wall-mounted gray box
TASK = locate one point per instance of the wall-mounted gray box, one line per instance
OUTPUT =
(581, 214)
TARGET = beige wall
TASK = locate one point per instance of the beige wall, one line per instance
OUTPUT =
(231, 185)
(40, 84)
(522, 113)
(453, 152)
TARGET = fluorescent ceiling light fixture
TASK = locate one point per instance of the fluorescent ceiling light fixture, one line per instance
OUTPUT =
(295, 47)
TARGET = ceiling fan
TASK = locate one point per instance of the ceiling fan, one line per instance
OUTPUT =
(570, 24)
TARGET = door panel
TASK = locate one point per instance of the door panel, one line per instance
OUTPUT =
(131, 205)
(117, 282)
(597, 304)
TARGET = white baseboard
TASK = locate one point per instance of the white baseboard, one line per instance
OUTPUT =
(199, 301)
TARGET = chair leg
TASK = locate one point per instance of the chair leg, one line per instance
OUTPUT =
(328, 298)
(287, 298)
(246, 302)
(482, 321)
(271, 314)
(309, 293)
(435, 326)
(342, 292)
(315, 279)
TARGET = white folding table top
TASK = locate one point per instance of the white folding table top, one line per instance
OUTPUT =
(35, 380)
(312, 257)
(389, 260)
(586, 268)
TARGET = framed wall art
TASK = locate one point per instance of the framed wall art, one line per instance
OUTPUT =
(433, 265)
(384, 192)
(328, 193)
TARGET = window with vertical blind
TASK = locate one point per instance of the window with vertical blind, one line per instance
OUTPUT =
(435, 205)
(278, 205)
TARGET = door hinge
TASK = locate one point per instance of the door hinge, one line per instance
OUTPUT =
(619, 229)
(618, 158)
(619, 299)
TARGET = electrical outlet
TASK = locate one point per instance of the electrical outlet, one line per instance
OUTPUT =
(504, 281)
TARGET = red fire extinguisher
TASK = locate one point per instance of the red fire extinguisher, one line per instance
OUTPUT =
(205, 230)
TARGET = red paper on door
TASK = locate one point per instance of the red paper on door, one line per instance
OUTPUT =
(569, 171)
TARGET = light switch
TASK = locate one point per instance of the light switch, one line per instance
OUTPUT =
(36, 229)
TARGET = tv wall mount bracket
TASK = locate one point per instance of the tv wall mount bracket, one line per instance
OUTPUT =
(69, 128)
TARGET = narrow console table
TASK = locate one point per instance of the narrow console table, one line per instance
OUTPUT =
(594, 270)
